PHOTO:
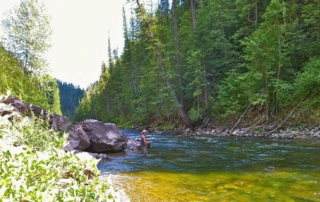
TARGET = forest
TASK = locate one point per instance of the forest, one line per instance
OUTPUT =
(191, 60)
(70, 96)
(256, 62)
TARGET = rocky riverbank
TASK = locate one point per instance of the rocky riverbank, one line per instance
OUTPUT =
(26, 139)
(299, 133)
(266, 131)
(92, 136)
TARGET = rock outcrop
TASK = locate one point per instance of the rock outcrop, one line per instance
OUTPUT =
(104, 137)
(96, 137)
(92, 136)
(17, 104)
(57, 122)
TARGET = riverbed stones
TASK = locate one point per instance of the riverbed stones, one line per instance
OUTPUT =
(262, 132)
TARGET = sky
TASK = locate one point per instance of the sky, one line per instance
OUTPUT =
(80, 36)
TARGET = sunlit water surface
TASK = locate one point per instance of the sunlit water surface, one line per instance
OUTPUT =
(199, 168)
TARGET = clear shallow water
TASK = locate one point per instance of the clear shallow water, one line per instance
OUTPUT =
(198, 168)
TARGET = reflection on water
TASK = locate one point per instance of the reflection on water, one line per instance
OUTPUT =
(180, 168)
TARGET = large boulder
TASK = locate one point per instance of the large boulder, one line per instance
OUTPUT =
(78, 139)
(60, 123)
(104, 137)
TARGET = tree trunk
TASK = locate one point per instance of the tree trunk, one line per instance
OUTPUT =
(267, 104)
(256, 15)
(304, 99)
(235, 125)
(178, 59)
(128, 44)
(279, 65)
(107, 101)
(255, 21)
(193, 12)
(181, 110)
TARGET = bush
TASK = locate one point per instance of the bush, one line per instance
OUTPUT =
(34, 167)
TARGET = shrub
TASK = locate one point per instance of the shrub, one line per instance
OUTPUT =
(34, 167)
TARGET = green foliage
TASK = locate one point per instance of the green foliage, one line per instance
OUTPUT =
(36, 133)
(195, 115)
(232, 94)
(310, 15)
(237, 54)
(26, 38)
(34, 167)
(21, 85)
(42, 91)
(266, 58)
(50, 86)
(84, 108)
(27, 34)
(308, 82)
(286, 93)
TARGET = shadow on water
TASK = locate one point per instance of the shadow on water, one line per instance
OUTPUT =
(199, 168)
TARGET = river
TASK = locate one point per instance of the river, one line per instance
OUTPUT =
(207, 168)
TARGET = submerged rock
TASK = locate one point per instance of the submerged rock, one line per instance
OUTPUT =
(133, 143)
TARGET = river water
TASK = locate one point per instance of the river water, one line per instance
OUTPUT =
(206, 168)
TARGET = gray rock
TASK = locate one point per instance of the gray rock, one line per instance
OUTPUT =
(60, 123)
(99, 156)
(17, 104)
(133, 143)
(104, 137)
(78, 139)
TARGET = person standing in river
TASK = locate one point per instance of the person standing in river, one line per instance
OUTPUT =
(144, 143)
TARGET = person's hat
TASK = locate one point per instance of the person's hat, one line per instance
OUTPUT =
(144, 131)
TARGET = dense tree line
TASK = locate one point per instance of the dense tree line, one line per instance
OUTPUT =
(70, 97)
(192, 59)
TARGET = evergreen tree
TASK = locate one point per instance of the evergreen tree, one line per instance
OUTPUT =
(70, 97)
(209, 58)
(51, 89)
